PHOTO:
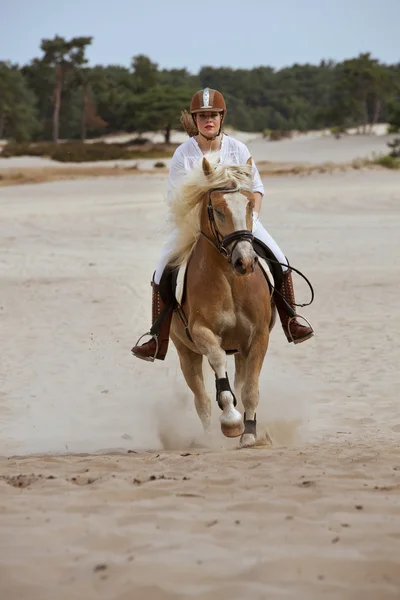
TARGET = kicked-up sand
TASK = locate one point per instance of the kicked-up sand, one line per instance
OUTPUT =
(108, 488)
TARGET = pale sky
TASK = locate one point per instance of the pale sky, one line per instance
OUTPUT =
(192, 33)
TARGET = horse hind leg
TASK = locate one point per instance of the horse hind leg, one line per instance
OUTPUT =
(192, 369)
(207, 343)
(240, 369)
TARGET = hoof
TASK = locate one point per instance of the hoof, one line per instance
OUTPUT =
(248, 440)
(231, 422)
(232, 431)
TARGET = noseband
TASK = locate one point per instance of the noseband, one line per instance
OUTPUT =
(225, 245)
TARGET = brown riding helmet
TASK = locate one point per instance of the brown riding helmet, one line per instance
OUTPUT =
(207, 99)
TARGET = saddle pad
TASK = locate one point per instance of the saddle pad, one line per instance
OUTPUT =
(180, 282)
(267, 271)
(181, 278)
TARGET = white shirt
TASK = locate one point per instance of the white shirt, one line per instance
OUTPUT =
(188, 155)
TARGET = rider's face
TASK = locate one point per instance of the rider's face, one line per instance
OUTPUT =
(208, 122)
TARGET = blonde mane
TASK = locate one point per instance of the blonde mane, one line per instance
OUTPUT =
(187, 202)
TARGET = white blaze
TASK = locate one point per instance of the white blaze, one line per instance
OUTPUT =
(237, 204)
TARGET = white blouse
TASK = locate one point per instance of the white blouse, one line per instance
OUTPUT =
(188, 155)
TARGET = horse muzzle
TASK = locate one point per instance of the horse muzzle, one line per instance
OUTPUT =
(244, 260)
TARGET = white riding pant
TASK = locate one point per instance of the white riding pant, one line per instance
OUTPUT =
(259, 232)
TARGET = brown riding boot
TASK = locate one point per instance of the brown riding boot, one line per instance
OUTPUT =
(295, 332)
(157, 346)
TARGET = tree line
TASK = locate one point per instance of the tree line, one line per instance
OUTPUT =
(57, 95)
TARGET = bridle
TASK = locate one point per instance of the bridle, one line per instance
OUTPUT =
(225, 245)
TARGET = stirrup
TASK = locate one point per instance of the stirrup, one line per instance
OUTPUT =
(296, 316)
(154, 337)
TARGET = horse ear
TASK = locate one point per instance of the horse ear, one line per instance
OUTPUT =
(249, 161)
(207, 168)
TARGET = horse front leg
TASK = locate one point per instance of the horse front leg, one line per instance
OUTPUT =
(250, 391)
(208, 344)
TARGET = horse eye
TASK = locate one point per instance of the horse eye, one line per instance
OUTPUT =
(219, 214)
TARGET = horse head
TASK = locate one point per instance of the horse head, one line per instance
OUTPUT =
(230, 205)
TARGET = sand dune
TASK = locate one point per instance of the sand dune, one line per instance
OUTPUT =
(182, 516)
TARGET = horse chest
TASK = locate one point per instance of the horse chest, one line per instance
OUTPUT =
(233, 322)
(226, 320)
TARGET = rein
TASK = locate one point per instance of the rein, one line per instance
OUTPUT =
(222, 243)
(243, 235)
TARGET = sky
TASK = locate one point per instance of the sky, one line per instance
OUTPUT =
(191, 33)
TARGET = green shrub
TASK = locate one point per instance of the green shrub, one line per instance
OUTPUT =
(27, 149)
(338, 131)
(139, 141)
(76, 152)
(394, 118)
(395, 147)
(393, 128)
(157, 151)
(279, 134)
(388, 161)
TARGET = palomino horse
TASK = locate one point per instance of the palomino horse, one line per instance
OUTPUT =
(227, 303)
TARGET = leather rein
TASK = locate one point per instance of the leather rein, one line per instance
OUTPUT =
(225, 245)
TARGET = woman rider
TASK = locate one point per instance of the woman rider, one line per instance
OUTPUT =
(204, 126)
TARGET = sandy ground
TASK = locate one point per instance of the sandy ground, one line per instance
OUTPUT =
(317, 515)
(321, 149)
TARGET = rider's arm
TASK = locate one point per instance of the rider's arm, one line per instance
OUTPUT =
(257, 202)
(258, 188)
(176, 172)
